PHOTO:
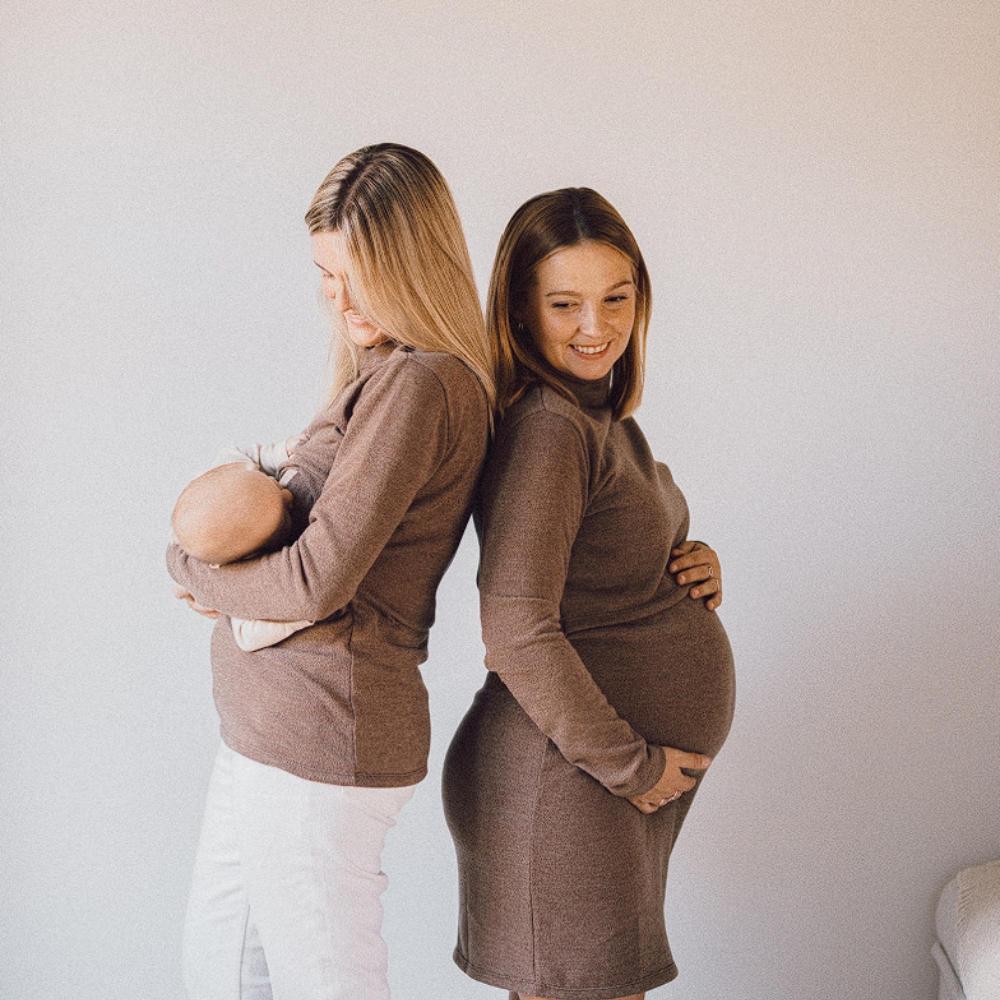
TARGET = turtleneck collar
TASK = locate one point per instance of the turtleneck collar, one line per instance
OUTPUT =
(369, 357)
(592, 394)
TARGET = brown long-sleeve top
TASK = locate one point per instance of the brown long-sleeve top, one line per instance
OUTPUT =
(342, 701)
(576, 523)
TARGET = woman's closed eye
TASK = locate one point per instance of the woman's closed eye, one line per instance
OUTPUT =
(611, 300)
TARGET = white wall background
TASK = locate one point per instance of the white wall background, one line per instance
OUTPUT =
(815, 186)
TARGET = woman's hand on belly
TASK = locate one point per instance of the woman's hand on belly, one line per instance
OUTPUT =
(674, 782)
(694, 562)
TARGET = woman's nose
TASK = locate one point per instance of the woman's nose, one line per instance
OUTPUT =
(589, 319)
(334, 290)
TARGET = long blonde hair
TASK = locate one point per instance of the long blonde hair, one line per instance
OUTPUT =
(539, 228)
(408, 265)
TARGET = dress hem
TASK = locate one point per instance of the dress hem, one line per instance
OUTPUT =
(552, 992)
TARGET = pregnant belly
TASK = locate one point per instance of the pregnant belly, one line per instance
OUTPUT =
(670, 676)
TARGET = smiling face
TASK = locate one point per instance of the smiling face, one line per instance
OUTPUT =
(330, 256)
(580, 308)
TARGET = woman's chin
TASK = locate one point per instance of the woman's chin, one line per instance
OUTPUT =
(363, 334)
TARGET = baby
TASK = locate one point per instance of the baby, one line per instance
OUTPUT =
(231, 512)
(236, 511)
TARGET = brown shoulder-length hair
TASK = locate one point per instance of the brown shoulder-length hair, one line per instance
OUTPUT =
(541, 226)
(407, 260)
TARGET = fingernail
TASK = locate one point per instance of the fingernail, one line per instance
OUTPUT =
(682, 579)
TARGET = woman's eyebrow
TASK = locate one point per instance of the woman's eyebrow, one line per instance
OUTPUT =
(611, 289)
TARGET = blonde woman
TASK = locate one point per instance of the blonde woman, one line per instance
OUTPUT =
(326, 733)
(611, 678)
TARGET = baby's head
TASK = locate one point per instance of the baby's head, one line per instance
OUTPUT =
(231, 512)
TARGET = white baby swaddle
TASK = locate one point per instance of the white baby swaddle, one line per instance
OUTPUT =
(968, 923)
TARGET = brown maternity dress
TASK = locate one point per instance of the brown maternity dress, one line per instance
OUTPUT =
(597, 658)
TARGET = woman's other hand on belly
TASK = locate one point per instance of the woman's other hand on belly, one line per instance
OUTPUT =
(696, 563)
(674, 782)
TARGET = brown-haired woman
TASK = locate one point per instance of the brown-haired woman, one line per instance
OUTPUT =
(326, 733)
(610, 689)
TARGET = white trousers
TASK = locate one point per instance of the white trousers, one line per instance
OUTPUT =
(285, 897)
